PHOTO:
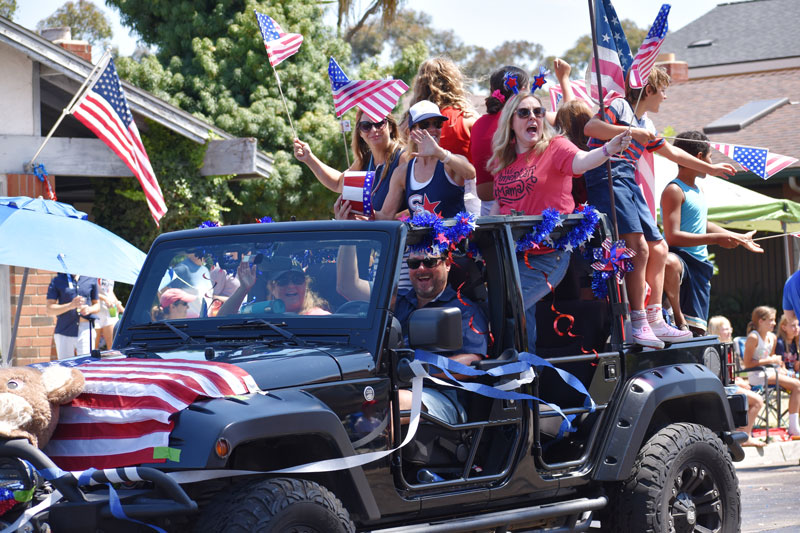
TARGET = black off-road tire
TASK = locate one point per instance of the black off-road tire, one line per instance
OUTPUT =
(683, 480)
(280, 505)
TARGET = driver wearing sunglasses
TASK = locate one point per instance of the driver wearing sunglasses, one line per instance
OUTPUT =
(428, 273)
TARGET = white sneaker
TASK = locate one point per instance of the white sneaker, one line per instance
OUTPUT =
(644, 336)
(669, 334)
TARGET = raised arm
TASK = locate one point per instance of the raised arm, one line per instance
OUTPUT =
(457, 167)
(676, 155)
(562, 70)
(328, 176)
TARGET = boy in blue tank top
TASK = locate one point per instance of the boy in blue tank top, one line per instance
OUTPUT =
(687, 275)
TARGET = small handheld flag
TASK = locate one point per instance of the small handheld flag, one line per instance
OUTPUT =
(648, 51)
(376, 98)
(759, 161)
(279, 45)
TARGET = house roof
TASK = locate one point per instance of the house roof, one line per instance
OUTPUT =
(753, 30)
(693, 104)
(59, 63)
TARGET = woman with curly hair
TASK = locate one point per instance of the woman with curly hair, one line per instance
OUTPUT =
(376, 146)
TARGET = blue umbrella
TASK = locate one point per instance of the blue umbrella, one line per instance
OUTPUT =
(48, 235)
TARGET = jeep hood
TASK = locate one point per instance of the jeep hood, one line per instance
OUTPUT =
(271, 367)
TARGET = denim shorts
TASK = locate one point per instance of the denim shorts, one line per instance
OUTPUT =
(633, 215)
(444, 405)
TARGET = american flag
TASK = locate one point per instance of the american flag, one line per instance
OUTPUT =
(759, 161)
(646, 179)
(648, 51)
(376, 98)
(579, 90)
(104, 109)
(613, 51)
(357, 188)
(279, 45)
(125, 414)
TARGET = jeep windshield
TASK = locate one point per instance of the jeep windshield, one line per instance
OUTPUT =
(230, 281)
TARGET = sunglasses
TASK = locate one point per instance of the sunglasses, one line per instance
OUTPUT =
(366, 125)
(295, 278)
(429, 262)
(524, 112)
(426, 124)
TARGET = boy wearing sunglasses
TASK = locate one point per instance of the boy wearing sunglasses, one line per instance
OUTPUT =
(428, 275)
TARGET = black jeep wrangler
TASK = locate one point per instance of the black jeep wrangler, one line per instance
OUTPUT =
(651, 451)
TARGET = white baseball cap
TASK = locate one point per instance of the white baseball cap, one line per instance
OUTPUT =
(422, 110)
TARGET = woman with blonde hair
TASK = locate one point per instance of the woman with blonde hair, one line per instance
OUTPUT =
(787, 344)
(376, 147)
(533, 170)
(721, 327)
(759, 350)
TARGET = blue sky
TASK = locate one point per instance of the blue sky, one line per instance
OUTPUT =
(555, 24)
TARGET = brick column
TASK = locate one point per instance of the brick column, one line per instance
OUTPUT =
(34, 342)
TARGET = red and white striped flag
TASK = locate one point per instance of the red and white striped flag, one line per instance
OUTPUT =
(648, 51)
(579, 90)
(104, 109)
(777, 162)
(646, 179)
(613, 52)
(279, 45)
(759, 161)
(376, 98)
(124, 416)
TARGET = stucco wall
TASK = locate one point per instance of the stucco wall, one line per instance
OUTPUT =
(16, 86)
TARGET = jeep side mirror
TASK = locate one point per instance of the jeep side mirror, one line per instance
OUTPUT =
(437, 329)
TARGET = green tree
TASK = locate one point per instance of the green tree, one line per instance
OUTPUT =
(581, 52)
(85, 19)
(8, 8)
(213, 65)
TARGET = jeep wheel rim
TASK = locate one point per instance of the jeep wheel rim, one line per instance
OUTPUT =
(695, 501)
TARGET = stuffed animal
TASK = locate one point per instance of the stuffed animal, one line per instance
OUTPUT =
(30, 400)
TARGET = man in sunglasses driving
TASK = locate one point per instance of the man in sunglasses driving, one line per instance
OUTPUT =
(428, 274)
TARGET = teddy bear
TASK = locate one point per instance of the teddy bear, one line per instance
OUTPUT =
(30, 400)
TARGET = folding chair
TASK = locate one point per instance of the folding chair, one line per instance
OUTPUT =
(770, 393)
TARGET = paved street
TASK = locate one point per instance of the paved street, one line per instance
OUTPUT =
(770, 499)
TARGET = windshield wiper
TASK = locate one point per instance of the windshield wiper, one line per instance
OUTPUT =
(161, 324)
(256, 322)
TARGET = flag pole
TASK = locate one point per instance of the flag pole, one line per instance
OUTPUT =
(285, 106)
(344, 141)
(68, 109)
(602, 114)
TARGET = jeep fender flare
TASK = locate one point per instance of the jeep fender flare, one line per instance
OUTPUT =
(681, 385)
(277, 414)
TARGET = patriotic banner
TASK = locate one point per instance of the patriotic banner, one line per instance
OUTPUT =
(613, 51)
(279, 45)
(104, 109)
(376, 98)
(759, 161)
(357, 189)
(125, 414)
(646, 180)
(579, 90)
(648, 51)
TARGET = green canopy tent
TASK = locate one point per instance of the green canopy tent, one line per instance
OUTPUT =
(735, 207)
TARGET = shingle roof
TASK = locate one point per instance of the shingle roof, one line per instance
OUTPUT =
(752, 30)
(693, 104)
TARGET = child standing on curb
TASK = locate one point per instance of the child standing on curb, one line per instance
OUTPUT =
(635, 223)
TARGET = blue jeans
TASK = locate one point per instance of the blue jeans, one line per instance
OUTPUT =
(534, 287)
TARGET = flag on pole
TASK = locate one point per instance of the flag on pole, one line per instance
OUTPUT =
(104, 109)
(376, 98)
(579, 90)
(648, 51)
(125, 414)
(279, 45)
(759, 161)
(613, 51)
(646, 179)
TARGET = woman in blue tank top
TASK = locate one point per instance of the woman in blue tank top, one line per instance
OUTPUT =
(376, 146)
(433, 179)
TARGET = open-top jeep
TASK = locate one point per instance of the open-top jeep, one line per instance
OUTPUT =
(651, 450)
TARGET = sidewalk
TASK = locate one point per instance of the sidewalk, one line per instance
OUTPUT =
(775, 453)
